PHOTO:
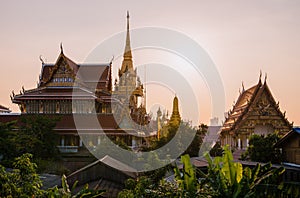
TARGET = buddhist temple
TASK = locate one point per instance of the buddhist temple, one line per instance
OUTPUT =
(255, 112)
(66, 88)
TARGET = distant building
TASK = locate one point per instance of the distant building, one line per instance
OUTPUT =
(4, 109)
(255, 112)
(214, 121)
(290, 145)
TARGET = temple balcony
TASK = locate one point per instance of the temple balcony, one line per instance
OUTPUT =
(68, 149)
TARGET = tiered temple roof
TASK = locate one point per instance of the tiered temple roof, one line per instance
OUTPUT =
(253, 104)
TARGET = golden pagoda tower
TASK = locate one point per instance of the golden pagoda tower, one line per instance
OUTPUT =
(129, 90)
(175, 117)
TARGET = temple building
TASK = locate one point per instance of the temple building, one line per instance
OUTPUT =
(4, 109)
(66, 88)
(62, 90)
(255, 112)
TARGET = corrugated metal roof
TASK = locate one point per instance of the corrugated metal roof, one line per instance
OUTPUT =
(297, 130)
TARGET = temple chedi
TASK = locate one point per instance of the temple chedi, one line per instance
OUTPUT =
(164, 123)
(175, 116)
(255, 112)
(129, 90)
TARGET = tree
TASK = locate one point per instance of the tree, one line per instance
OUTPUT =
(23, 181)
(35, 135)
(261, 149)
(186, 134)
(194, 147)
(6, 145)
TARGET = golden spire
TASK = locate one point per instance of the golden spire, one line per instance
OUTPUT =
(127, 56)
(127, 52)
(175, 106)
(175, 117)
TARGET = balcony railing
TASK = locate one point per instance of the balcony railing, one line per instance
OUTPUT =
(68, 149)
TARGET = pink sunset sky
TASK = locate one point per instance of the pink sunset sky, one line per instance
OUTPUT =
(241, 37)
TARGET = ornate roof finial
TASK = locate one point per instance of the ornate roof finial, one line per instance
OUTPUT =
(61, 48)
(243, 88)
(266, 75)
(260, 73)
(41, 59)
(112, 59)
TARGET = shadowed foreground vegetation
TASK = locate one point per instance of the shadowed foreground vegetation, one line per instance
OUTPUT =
(23, 181)
(224, 178)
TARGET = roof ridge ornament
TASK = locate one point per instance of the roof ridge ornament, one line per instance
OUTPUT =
(266, 76)
(260, 74)
(243, 88)
(41, 59)
(61, 48)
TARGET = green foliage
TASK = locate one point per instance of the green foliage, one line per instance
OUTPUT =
(136, 188)
(224, 178)
(186, 180)
(23, 181)
(6, 144)
(261, 149)
(194, 147)
(185, 134)
(34, 134)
